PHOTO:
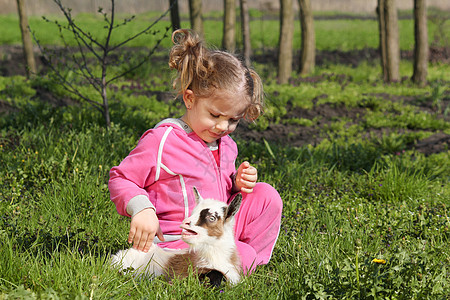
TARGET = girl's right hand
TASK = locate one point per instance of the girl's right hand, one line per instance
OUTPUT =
(144, 226)
(246, 177)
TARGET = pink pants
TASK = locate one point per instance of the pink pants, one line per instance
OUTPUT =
(256, 229)
(258, 225)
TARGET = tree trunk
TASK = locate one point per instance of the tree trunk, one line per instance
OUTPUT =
(285, 41)
(421, 42)
(382, 37)
(308, 52)
(245, 27)
(105, 107)
(174, 15)
(26, 39)
(392, 41)
(229, 25)
(195, 13)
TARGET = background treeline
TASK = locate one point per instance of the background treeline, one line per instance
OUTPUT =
(46, 7)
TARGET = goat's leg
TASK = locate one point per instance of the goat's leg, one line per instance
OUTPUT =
(215, 277)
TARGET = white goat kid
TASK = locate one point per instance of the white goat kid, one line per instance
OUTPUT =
(212, 251)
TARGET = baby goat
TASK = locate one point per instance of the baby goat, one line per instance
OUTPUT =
(212, 250)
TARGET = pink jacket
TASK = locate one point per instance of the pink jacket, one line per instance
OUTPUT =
(164, 166)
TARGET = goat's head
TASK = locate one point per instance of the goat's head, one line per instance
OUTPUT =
(210, 220)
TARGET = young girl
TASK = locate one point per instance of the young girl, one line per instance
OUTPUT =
(153, 184)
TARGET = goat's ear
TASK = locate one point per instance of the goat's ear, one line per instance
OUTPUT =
(197, 195)
(233, 208)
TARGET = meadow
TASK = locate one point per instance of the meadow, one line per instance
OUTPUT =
(365, 211)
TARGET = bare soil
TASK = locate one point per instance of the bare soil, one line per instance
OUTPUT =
(12, 63)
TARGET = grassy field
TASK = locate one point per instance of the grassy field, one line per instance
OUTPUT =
(364, 215)
(331, 33)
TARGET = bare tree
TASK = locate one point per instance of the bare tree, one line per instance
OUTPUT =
(26, 39)
(71, 72)
(382, 38)
(389, 40)
(229, 25)
(174, 14)
(245, 28)
(195, 13)
(392, 41)
(285, 41)
(308, 48)
(421, 42)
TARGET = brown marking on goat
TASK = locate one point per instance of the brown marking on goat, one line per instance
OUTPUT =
(214, 228)
(179, 265)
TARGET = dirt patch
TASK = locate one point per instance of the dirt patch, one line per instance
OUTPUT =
(6, 107)
(44, 93)
(436, 143)
(12, 61)
(286, 134)
(296, 135)
(353, 57)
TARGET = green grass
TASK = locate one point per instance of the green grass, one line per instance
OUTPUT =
(348, 198)
(59, 227)
(330, 34)
(352, 198)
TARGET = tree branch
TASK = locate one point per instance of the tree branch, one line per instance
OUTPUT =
(152, 51)
(141, 32)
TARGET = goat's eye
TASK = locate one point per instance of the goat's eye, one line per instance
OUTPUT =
(211, 218)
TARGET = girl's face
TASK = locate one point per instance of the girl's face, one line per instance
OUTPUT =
(216, 116)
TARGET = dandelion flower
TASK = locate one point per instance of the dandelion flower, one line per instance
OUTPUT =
(379, 261)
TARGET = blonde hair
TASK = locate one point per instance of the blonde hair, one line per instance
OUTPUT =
(205, 71)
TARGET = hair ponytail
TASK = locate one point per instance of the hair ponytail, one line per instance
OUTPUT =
(256, 92)
(189, 57)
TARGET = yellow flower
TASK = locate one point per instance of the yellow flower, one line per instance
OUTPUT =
(379, 261)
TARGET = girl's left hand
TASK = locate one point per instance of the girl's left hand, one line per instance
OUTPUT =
(246, 177)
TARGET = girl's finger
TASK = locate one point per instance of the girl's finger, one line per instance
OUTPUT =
(160, 235)
(249, 177)
(136, 240)
(248, 184)
(131, 235)
(148, 244)
(247, 190)
(143, 241)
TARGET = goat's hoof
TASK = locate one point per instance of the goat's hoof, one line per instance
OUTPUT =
(215, 278)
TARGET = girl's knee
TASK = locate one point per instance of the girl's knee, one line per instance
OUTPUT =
(265, 192)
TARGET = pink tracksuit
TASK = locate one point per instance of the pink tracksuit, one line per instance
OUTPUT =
(161, 172)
